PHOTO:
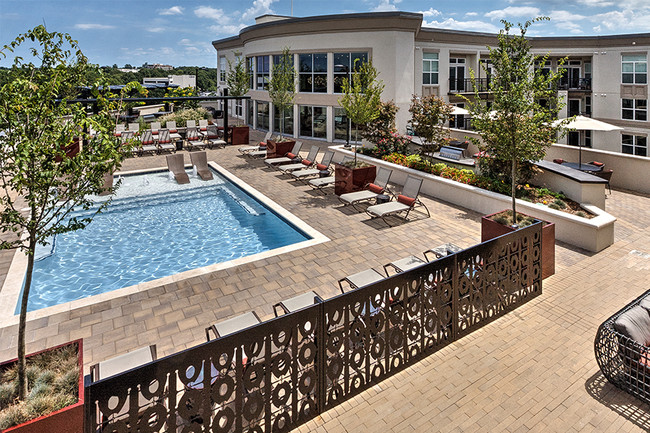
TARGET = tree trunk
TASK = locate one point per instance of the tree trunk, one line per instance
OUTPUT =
(22, 363)
(513, 191)
(356, 140)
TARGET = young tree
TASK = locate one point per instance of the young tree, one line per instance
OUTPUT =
(237, 77)
(428, 116)
(361, 97)
(525, 104)
(282, 85)
(39, 125)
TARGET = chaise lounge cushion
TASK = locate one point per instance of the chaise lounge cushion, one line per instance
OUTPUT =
(408, 201)
(375, 188)
(635, 324)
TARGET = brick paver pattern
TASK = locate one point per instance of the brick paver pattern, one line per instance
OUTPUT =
(532, 370)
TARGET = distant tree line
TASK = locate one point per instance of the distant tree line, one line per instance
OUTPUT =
(207, 78)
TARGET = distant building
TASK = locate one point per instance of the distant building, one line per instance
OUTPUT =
(158, 66)
(134, 70)
(172, 80)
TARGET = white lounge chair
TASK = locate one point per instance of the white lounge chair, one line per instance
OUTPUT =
(213, 138)
(193, 139)
(286, 159)
(321, 167)
(405, 201)
(147, 143)
(378, 187)
(248, 149)
(173, 130)
(323, 182)
(164, 141)
(306, 162)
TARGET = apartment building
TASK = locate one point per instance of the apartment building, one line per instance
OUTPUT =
(606, 76)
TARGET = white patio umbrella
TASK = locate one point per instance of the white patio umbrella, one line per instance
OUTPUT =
(582, 123)
(458, 111)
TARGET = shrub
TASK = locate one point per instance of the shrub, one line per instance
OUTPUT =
(181, 117)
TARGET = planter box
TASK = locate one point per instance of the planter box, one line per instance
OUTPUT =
(491, 229)
(275, 149)
(352, 179)
(239, 135)
(67, 420)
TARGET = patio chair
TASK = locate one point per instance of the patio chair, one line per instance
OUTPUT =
(192, 124)
(193, 139)
(605, 174)
(200, 162)
(173, 130)
(164, 141)
(233, 325)
(323, 182)
(155, 128)
(147, 144)
(119, 129)
(322, 167)
(120, 364)
(176, 164)
(297, 303)
(306, 162)
(405, 202)
(247, 149)
(213, 138)
(403, 265)
(203, 125)
(378, 187)
(361, 279)
(441, 251)
(287, 158)
(135, 127)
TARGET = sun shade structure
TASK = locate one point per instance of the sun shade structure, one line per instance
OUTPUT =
(582, 123)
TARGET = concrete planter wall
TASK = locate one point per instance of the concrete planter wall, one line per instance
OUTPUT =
(491, 229)
(593, 234)
(67, 420)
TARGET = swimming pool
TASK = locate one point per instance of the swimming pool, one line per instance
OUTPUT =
(155, 228)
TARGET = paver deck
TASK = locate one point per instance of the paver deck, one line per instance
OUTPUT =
(532, 370)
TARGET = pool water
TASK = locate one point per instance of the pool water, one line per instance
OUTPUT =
(146, 237)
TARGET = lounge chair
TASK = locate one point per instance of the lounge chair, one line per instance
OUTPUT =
(200, 161)
(323, 182)
(403, 265)
(173, 130)
(378, 187)
(361, 279)
(164, 141)
(122, 363)
(405, 201)
(306, 162)
(323, 166)
(147, 143)
(247, 149)
(233, 325)
(203, 125)
(135, 127)
(194, 140)
(213, 138)
(441, 251)
(287, 158)
(119, 129)
(192, 124)
(297, 303)
(155, 128)
(176, 164)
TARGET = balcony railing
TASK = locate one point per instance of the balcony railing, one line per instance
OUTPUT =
(285, 371)
(468, 85)
(575, 84)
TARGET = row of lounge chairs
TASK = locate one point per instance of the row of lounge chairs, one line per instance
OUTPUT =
(159, 140)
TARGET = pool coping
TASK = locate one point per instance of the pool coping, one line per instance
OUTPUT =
(12, 286)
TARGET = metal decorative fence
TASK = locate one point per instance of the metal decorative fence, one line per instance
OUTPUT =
(622, 360)
(284, 372)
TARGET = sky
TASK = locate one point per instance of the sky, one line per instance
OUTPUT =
(180, 32)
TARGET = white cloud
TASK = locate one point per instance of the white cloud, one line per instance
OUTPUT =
(565, 17)
(229, 30)
(90, 26)
(260, 7)
(613, 21)
(596, 3)
(155, 29)
(208, 12)
(514, 11)
(387, 5)
(471, 14)
(174, 10)
(431, 13)
(450, 23)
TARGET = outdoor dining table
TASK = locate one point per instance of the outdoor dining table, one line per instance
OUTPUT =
(583, 166)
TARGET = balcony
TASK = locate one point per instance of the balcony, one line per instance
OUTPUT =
(583, 84)
(468, 85)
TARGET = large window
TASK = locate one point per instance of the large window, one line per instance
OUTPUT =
(263, 72)
(222, 69)
(635, 109)
(313, 121)
(313, 73)
(430, 68)
(344, 65)
(250, 112)
(456, 75)
(250, 68)
(344, 128)
(288, 121)
(635, 145)
(262, 115)
(634, 68)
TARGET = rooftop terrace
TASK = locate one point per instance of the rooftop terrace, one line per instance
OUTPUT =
(533, 369)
